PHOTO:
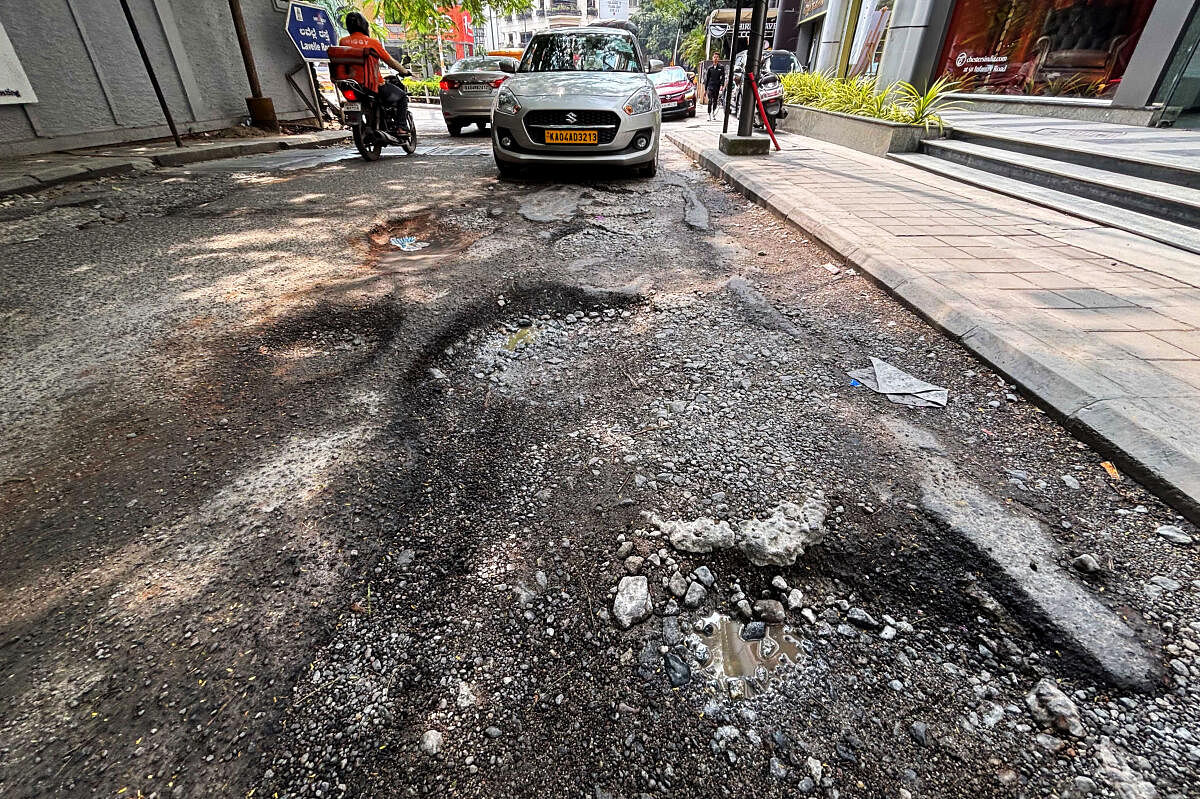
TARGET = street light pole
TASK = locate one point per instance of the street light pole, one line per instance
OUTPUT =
(758, 22)
(262, 110)
(162, 101)
(737, 21)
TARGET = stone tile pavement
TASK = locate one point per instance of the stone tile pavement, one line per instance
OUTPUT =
(30, 173)
(1101, 326)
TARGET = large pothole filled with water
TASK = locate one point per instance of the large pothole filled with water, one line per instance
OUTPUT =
(741, 659)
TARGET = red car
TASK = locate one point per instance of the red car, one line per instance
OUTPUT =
(676, 92)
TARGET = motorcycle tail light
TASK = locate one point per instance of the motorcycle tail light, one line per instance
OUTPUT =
(350, 95)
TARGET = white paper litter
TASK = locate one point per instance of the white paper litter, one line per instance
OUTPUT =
(899, 386)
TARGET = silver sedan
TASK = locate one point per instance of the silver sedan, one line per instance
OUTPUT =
(467, 90)
(579, 96)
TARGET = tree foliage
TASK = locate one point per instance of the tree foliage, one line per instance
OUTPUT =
(419, 16)
(659, 21)
(691, 49)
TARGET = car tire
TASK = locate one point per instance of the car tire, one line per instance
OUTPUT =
(692, 111)
(506, 169)
(454, 128)
(648, 170)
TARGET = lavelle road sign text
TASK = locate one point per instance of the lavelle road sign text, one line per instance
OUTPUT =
(311, 30)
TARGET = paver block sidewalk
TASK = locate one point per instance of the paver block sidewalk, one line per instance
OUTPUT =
(35, 172)
(1099, 325)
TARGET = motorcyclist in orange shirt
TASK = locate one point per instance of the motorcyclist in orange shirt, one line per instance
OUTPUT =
(372, 78)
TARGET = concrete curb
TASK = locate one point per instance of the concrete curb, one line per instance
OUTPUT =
(1131, 434)
(91, 165)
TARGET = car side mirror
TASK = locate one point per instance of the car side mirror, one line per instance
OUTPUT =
(508, 66)
(655, 66)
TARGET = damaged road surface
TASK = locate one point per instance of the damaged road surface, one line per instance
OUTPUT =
(316, 485)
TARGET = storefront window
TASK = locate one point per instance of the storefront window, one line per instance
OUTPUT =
(870, 30)
(1068, 48)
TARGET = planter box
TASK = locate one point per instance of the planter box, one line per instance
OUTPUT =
(874, 136)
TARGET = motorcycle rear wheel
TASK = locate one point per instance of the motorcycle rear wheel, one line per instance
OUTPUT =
(369, 152)
(410, 145)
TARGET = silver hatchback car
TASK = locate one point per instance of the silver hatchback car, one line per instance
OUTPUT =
(467, 89)
(579, 96)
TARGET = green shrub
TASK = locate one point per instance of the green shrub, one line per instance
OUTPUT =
(420, 86)
(897, 102)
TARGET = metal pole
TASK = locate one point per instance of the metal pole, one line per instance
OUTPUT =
(737, 21)
(262, 110)
(758, 22)
(239, 28)
(162, 101)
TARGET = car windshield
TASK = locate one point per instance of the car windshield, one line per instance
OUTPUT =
(669, 75)
(580, 52)
(782, 63)
(477, 64)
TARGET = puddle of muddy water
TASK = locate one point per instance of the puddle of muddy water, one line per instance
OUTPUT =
(745, 668)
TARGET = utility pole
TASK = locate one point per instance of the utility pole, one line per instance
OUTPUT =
(437, 26)
(262, 110)
(162, 101)
(758, 21)
(737, 22)
(675, 50)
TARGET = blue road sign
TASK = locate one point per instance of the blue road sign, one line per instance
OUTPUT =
(311, 30)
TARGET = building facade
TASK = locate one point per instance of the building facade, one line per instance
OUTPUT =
(509, 31)
(1132, 61)
(91, 88)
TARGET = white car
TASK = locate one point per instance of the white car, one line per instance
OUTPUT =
(579, 96)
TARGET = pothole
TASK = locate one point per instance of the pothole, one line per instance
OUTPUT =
(743, 657)
(416, 239)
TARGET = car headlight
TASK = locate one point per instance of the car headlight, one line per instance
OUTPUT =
(506, 101)
(641, 102)
(690, 94)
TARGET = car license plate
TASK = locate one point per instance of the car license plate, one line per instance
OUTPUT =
(670, 105)
(572, 137)
(351, 106)
(477, 87)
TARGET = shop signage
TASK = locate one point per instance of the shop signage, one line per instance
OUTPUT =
(15, 87)
(744, 26)
(614, 9)
(981, 64)
(812, 8)
(717, 30)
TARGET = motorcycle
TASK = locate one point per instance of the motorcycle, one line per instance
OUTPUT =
(770, 91)
(374, 124)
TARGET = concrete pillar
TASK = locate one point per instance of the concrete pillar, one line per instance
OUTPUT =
(802, 43)
(785, 25)
(914, 41)
(831, 37)
(1153, 52)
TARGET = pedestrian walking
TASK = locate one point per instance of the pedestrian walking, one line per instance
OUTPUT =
(714, 81)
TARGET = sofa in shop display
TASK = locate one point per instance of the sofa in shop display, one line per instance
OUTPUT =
(1085, 41)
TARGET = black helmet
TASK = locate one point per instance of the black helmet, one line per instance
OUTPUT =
(357, 23)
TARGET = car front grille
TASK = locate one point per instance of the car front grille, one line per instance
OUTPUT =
(605, 123)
